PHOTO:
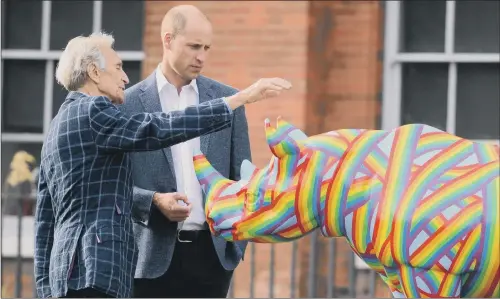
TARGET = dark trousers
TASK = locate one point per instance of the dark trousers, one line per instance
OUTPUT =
(86, 293)
(195, 272)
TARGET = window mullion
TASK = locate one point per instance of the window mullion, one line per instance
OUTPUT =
(446, 58)
(449, 33)
(1, 78)
(48, 95)
(449, 38)
(22, 137)
(452, 99)
(391, 107)
(54, 55)
(46, 11)
(97, 17)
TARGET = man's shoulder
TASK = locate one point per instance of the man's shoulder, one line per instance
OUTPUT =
(131, 96)
(134, 89)
(220, 88)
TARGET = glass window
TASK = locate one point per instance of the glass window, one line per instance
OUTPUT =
(422, 26)
(68, 20)
(133, 71)
(22, 97)
(126, 26)
(59, 94)
(424, 96)
(21, 24)
(20, 163)
(477, 26)
(478, 101)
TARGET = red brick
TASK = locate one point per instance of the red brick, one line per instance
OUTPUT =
(335, 86)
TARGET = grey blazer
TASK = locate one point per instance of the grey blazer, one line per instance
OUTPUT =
(154, 172)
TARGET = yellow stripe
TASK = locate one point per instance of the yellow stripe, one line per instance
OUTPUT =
(360, 242)
(428, 204)
(441, 237)
(493, 262)
(409, 196)
(465, 253)
(393, 181)
(305, 195)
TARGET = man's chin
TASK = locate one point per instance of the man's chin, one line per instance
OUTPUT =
(118, 100)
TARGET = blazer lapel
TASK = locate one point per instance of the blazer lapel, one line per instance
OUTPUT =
(206, 94)
(150, 100)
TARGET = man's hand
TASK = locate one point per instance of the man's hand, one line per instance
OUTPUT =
(260, 90)
(168, 204)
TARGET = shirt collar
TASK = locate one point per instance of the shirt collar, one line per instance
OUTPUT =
(161, 81)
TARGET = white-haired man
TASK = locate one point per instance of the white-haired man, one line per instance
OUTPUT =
(84, 245)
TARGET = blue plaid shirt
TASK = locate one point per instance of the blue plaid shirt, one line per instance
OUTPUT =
(83, 227)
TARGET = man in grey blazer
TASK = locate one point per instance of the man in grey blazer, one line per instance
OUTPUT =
(178, 257)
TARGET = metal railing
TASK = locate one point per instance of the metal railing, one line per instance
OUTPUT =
(311, 263)
(322, 255)
(17, 237)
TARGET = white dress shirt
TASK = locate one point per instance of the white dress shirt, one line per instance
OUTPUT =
(182, 153)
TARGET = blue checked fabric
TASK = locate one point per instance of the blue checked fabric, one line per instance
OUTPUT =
(83, 227)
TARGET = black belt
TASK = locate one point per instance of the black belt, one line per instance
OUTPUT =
(188, 236)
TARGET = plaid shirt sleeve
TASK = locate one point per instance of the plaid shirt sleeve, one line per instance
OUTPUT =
(44, 237)
(113, 131)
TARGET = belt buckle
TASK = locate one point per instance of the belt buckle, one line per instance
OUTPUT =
(179, 239)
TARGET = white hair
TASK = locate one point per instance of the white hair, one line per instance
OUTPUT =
(79, 54)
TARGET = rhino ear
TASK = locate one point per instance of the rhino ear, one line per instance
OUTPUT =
(247, 169)
(285, 139)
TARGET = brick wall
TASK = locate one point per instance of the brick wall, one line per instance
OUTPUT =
(344, 80)
(336, 83)
(251, 40)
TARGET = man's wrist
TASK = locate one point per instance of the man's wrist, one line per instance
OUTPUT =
(236, 100)
(155, 199)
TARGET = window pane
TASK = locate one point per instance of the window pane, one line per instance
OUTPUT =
(22, 96)
(423, 24)
(21, 24)
(477, 26)
(69, 19)
(133, 71)
(424, 94)
(124, 19)
(58, 94)
(20, 163)
(478, 101)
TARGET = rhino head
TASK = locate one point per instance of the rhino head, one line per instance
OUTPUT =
(273, 204)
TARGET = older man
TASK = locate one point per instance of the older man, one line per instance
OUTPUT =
(178, 257)
(84, 245)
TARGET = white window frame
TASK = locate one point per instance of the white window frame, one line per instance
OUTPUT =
(50, 57)
(393, 60)
(9, 241)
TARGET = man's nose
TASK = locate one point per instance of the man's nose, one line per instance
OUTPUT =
(125, 78)
(202, 56)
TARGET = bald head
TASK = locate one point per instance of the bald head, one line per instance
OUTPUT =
(176, 19)
(186, 35)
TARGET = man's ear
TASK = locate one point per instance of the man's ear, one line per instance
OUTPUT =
(93, 72)
(167, 40)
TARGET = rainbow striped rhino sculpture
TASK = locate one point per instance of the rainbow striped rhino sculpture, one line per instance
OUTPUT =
(418, 205)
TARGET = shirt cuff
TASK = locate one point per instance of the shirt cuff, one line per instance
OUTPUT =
(227, 105)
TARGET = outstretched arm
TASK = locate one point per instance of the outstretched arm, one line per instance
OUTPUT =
(114, 131)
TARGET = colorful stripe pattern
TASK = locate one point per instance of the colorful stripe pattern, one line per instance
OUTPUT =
(418, 205)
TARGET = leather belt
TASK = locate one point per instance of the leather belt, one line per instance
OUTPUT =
(188, 236)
